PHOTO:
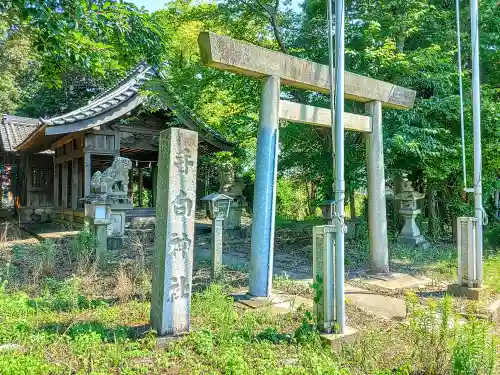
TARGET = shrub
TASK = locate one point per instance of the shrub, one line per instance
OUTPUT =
(82, 250)
(475, 350)
(443, 345)
(38, 259)
(291, 199)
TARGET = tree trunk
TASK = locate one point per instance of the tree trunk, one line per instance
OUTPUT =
(431, 212)
(352, 203)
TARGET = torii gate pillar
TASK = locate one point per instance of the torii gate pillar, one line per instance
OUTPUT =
(377, 218)
(264, 203)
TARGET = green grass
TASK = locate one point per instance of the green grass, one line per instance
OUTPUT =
(104, 339)
(83, 336)
(74, 319)
(492, 272)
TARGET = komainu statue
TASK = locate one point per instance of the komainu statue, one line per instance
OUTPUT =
(114, 179)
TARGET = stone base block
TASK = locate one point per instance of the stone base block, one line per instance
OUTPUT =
(394, 281)
(336, 340)
(474, 294)
(418, 241)
(277, 303)
(234, 236)
(35, 215)
(163, 342)
(115, 243)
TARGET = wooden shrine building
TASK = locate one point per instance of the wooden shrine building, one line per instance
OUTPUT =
(13, 131)
(89, 138)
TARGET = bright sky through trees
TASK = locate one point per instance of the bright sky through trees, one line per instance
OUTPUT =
(150, 5)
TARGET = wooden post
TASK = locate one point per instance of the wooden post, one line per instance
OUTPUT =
(88, 173)
(117, 143)
(74, 184)
(57, 176)
(131, 185)
(81, 180)
(64, 190)
(28, 181)
(141, 187)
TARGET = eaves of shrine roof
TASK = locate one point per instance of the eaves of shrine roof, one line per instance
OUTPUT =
(112, 105)
(14, 130)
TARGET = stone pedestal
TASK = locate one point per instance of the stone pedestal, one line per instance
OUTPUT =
(100, 227)
(233, 187)
(232, 224)
(217, 247)
(410, 234)
(118, 215)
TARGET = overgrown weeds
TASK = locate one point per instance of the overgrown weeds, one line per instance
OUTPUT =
(443, 344)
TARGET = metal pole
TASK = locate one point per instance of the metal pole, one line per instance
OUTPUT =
(339, 163)
(328, 273)
(476, 115)
(462, 128)
(264, 206)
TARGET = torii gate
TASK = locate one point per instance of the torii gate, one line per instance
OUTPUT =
(275, 68)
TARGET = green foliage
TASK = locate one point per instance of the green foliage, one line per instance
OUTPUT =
(60, 295)
(432, 326)
(457, 347)
(475, 350)
(94, 36)
(36, 260)
(82, 250)
(291, 201)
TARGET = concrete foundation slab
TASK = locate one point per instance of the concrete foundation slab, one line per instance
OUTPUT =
(383, 306)
(474, 294)
(336, 340)
(394, 281)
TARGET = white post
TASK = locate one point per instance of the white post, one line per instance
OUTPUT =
(377, 219)
(476, 116)
(323, 278)
(264, 207)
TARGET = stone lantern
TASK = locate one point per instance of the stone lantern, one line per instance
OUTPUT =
(410, 234)
(218, 210)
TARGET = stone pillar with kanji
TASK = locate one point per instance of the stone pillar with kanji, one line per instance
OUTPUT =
(174, 236)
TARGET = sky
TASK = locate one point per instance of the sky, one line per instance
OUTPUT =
(153, 5)
(150, 5)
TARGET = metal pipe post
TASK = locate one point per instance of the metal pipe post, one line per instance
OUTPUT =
(339, 164)
(476, 116)
(459, 57)
(329, 268)
(264, 206)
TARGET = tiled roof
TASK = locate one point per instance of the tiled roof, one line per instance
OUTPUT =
(14, 130)
(125, 90)
(108, 100)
